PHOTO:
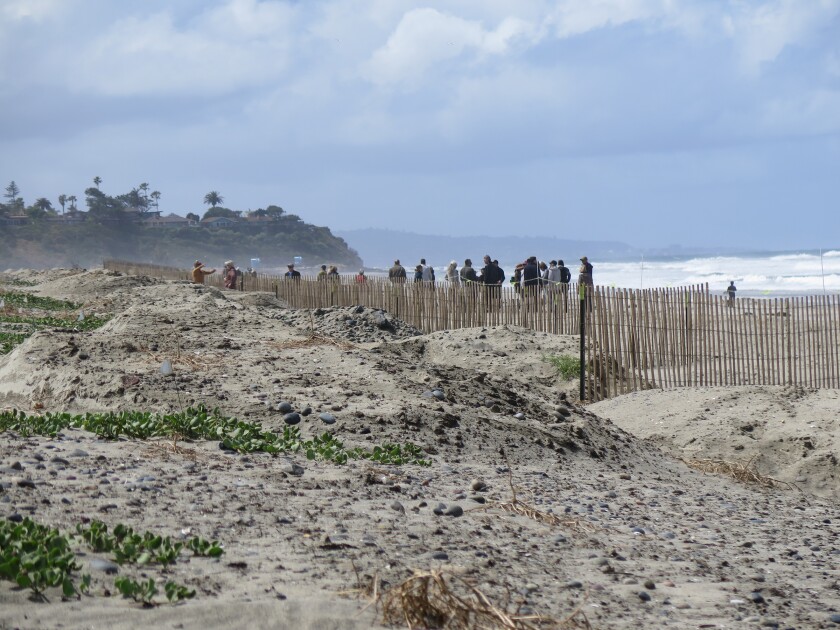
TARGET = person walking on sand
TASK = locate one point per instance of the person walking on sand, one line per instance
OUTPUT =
(396, 274)
(199, 272)
(361, 278)
(230, 275)
(730, 292)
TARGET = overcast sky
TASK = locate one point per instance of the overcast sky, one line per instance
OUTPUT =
(653, 122)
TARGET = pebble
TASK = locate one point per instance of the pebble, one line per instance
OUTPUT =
(306, 411)
(650, 584)
(100, 564)
(756, 597)
(284, 407)
(291, 468)
(292, 418)
(644, 596)
(24, 483)
(438, 394)
(440, 555)
(455, 510)
(78, 453)
(835, 618)
(327, 418)
(574, 584)
(15, 518)
(398, 507)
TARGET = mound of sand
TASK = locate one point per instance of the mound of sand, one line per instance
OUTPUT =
(789, 433)
(546, 505)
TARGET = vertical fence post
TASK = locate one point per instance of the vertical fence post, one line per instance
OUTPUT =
(582, 288)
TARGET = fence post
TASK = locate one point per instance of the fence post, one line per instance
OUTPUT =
(582, 291)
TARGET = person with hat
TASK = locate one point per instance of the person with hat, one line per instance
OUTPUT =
(230, 275)
(199, 272)
(361, 278)
(292, 273)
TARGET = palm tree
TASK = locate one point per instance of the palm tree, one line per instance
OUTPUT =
(144, 189)
(43, 204)
(213, 199)
(62, 199)
(72, 200)
(155, 199)
(97, 180)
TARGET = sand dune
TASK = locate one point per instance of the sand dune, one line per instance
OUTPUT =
(631, 537)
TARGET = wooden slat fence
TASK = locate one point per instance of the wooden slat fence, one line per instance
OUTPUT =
(635, 339)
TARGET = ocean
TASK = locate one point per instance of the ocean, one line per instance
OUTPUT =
(780, 275)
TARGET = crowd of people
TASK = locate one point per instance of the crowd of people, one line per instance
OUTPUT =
(528, 276)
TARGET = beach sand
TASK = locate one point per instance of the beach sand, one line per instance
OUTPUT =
(638, 540)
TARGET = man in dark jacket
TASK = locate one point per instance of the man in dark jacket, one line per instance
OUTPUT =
(397, 272)
(531, 276)
(467, 273)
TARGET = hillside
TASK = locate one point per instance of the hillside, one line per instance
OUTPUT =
(45, 244)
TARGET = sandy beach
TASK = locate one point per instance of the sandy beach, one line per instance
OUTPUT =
(586, 514)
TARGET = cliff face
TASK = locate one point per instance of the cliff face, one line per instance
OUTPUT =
(86, 245)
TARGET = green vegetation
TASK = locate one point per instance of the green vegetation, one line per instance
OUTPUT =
(566, 365)
(38, 557)
(130, 547)
(201, 424)
(37, 313)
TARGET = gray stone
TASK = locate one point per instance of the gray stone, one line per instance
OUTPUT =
(284, 407)
(292, 418)
(644, 596)
(24, 483)
(78, 453)
(455, 510)
(440, 555)
(101, 564)
(756, 597)
(438, 394)
(327, 418)
(291, 468)
(398, 507)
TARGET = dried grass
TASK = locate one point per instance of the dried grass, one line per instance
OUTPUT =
(518, 506)
(743, 472)
(436, 599)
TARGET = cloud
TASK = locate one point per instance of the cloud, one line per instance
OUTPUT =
(426, 38)
(30, 9)
(238, 44)
(762, 31)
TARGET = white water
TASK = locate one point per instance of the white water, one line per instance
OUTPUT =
(754, 276)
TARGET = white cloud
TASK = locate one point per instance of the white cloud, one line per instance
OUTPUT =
(425, 38)
(761, 32)
(30, 9)
(238, 44)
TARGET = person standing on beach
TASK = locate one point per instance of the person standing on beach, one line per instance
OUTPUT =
(585, 280)
(230, 275)
(428, 272)
(396, 274)
(730, 292)
(322, 275)
(292, 273)
(199, 272)
(452, 276)
(467, 273)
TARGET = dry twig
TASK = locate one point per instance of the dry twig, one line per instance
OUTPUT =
(743, 472)
(436, 599)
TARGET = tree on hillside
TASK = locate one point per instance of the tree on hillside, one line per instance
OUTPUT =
(96, 181)
(275, 212)
(219, 211)
(213, 199)
(155, 199)
(134, 199)
(42, 203)
(192, 216)
(62, 199)
(72, 200)
(15, 203)
(103, 207)
(144, 189)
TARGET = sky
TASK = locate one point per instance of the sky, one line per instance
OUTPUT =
(651, 122)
